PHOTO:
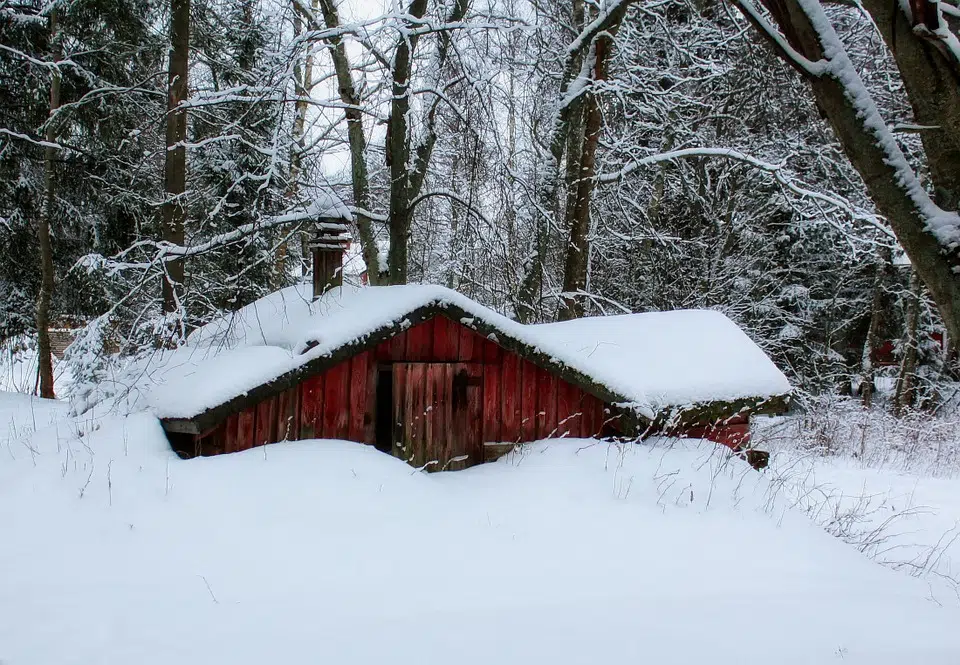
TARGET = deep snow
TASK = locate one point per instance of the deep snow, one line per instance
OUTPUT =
(116, 551)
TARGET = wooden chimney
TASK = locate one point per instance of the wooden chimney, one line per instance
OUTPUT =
(330, 243)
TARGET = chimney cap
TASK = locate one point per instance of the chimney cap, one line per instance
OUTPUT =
(334, 235)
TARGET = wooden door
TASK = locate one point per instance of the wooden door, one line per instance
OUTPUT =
(437, 414)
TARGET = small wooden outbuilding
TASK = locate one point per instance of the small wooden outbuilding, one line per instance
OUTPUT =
(442, 382)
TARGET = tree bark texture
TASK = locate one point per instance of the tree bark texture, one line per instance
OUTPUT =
(577, 260)
(567, 124)
(406, 178)
(44, 351)
(357, 141)
(398, 152)
(872, 341)
(175, 162)
(303, 84)
(931, 81)
(906, 379)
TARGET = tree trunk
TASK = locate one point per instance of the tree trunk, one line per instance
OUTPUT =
(577, 260)
(568, 113)
(904, 395)
(44, 351)
(357, 142)
(303, 84)
(872, 341)
(398, 153)
(175, 163)
(933, 88)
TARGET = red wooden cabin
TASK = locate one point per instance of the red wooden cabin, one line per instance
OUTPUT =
(433, 378)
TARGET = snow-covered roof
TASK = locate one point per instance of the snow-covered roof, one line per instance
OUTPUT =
(651, 361)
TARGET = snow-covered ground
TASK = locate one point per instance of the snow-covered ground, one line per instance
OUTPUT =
(888, 486)
(115, 551)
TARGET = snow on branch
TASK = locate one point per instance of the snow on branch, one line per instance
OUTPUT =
(836, 64)
(806, 66)
(776, 170)
(326, 207)
(943, 225)
(609, 15)
(30, 139)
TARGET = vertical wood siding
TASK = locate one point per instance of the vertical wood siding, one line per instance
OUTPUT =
(509, 400)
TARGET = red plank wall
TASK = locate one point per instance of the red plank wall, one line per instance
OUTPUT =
(521, 402)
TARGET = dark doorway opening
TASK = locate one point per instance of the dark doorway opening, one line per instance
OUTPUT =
(384, 409)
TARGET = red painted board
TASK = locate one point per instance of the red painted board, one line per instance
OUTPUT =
(546, 405)
(265, 429)
(336, 401)
(231, 432)
(436, 398)
(359, 373)
(311, 407)
(288, 415)
(510, 397)
(420, 342)
(383, 351)
(246, 420)
(446, 340)
(491, 404)
(491, 351)
(415, 426)
(370, 412)
(398, 347)
(471, 345)
(568, 409)
(528, 403)
(472, 441)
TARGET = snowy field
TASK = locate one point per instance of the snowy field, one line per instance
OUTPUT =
(115, 551)
(890, 487)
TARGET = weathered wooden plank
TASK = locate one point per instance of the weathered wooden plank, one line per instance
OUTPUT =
(398, 347)
(546, 404)
(491, 400)
(491, 351)
(400, 409)
(528, 403)
(359, 373)
(382, 352)
(434, 438)
(336, 401)
(370, 412)
(246, 421)
(494, 451)
(281, 426)
(446, 340)
(265, 429)
(467, 341)
(416, 398)
(231, 431)
(288, 415)
(510, 397)
(592, 409)
(446, 421)
(569, 418)
(473, 443)
(311, 407)
(419, 346)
